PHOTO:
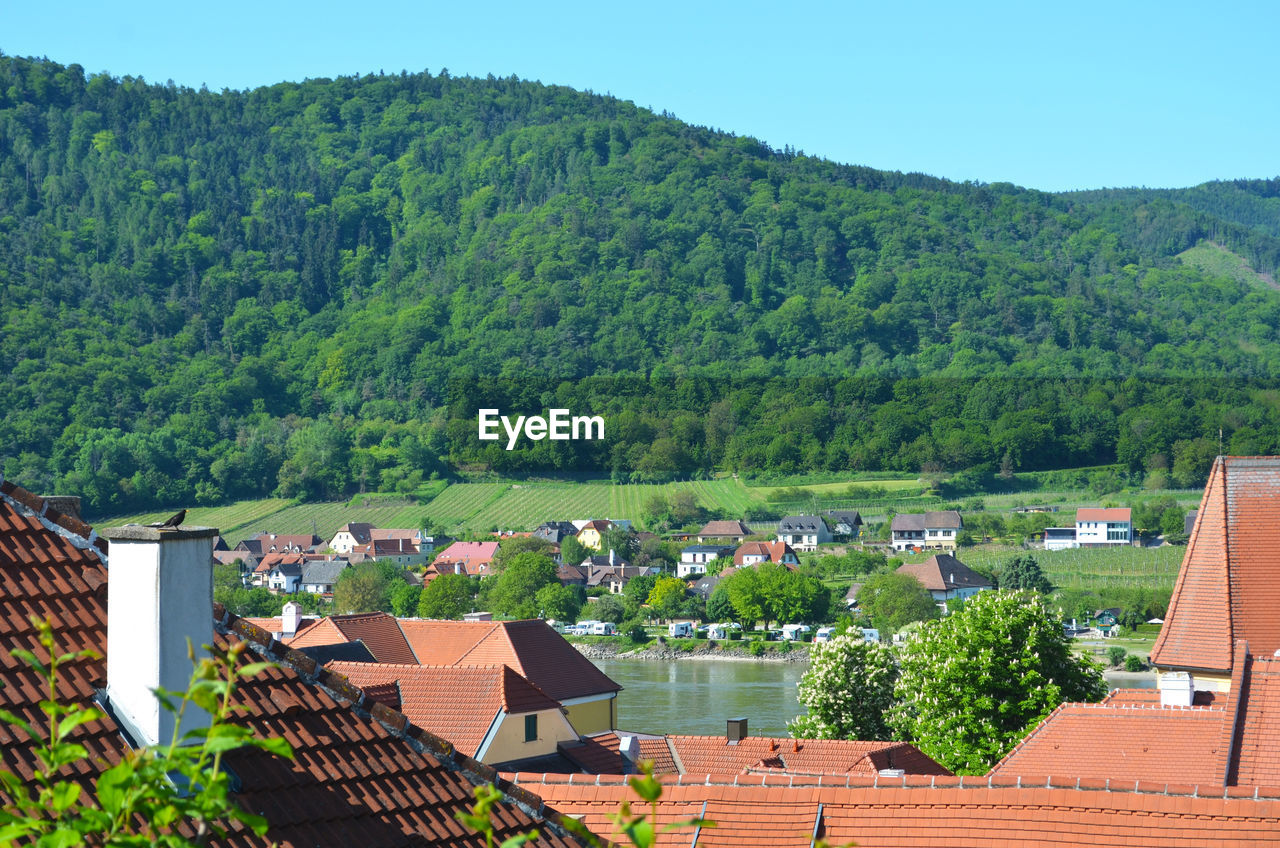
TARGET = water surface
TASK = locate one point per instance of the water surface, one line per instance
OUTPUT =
(696, 696)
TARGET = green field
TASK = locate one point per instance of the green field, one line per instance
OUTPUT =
(1087, 568)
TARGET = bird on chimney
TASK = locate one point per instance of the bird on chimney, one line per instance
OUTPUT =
(172, 521)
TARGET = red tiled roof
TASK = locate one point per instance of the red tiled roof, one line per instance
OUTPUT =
(431, 696)
(716, 755)
(595, 754)
(943, 572)
(1256, 741)
(781, 811)
(1229, 584)
(725, 528)
(1103, 514)
(771, 551)
(473, 556)
(1123, 742)
(379, 631)
(530, 647)
(275, 625)
(656, 750)
(361, 775)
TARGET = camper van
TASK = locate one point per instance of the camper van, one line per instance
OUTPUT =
(824, 634)
(870, 634)
(680, 630)
(604, 628)
(793, 632)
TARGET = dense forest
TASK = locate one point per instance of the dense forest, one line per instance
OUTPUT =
(308, 290)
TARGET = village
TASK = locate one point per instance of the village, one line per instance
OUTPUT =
(393, 719)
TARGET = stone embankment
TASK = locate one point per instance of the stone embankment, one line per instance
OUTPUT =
(621, 649)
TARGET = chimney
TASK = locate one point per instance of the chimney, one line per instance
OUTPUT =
(68, 505)
(159, 598)
(735, 730)
(629, 747)
(611, 556)
(1177, 689)
(290, 616)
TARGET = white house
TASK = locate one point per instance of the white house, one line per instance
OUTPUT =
(803, 532)
(1060, 538)
(694, 559)
(946, 578)
(926, 530)
(1100, 527)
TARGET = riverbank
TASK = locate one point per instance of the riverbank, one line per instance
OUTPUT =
(685, 649)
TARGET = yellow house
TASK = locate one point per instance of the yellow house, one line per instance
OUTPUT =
(592, 534)
(489, 713)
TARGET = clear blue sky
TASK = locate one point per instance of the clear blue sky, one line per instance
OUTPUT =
(1055, 96)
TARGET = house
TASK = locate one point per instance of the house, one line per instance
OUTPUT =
(1102, 527)
(56, 567)
(471, 558)
(926, 530)
(530, 648)
(319, 576)
(1228, 588)
(723, 533)
(694, 559)
(507, 719)
(286, 573)
(803, 532)
(269, 543)
(592, 534)
(401, 551)
(1060, 538)
(286, 624)
(848, 524)
(946, 578)
(554, 531)
(350, 536)
(754, 553)
(611, 572)
(705, 585)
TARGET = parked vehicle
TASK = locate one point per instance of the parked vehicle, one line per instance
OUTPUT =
(604, 628)
(557, 626)
(680, 630)
(870, 634)
(793, 632)
(824, 634)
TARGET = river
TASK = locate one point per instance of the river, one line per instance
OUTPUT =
(696, 696)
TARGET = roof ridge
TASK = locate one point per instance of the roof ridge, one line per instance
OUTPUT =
(75, 531)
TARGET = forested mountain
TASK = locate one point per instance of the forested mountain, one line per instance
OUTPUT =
(309, 288)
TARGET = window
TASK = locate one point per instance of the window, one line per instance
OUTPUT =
(531, 728)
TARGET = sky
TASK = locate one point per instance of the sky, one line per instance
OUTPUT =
(1052, 96)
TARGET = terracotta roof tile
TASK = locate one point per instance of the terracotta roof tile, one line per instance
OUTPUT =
(354, 781)
(1229, 584)
(531, 648)
(890, 813)
(1104, 514)
(1121, 741)
(716, 755)
(725, 528)
(1257, 733)
(379, 631)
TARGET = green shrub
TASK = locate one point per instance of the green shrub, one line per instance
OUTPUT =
(1116, 655)
(735, 635)
(756, 648)
(785, 647)
(1133, 662)
(636, 633)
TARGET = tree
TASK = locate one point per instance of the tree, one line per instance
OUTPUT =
(366, 587)
(621, 541)
(972, 684)
(719, 607)
(667, 597)
(572, 551)
(892, 600)
(636, 593)
(557, 601)
(449, 596)
(515, 588)
(514, 545)
(405, 598)
(743, 589)
(1023, 572)
(847, 690)
(608, 608)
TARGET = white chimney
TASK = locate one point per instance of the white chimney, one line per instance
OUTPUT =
(290, 616)
(159, 599)
(629, 747)
(1177, 689)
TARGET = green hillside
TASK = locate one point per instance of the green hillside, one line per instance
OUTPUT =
(307, 290)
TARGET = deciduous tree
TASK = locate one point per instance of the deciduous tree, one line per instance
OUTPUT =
(847, 690)
(973, 683)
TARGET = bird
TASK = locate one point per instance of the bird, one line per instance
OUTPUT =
(172, 521)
